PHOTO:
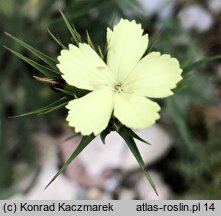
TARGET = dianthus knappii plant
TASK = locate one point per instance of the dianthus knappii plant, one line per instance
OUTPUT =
(108, 91)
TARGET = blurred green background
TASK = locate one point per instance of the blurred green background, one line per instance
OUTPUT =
(192, 167)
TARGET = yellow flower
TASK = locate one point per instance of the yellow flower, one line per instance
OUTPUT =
(121, 86)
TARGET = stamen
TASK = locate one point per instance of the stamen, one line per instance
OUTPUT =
(118, 88)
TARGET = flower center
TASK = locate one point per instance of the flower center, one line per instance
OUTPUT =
(118, 88)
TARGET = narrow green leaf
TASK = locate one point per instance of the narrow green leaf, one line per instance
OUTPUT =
(57, 103)
(43, 69)
(57, 40)
(199, 63)
(66, 92)
(76, 91)
(72, 136)
(89, 41)
(84, 142)
(131, 133)
(103, 134)
(47, 59)
(188, 68)
(133, 147)
(78, 36)
(75, 35)
(180, 123)
(53, 108)
(100, 53)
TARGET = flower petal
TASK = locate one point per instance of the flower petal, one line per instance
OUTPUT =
(91, 113)
(83, 68)
(126, 46)
(154, 76)
(135, 111)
